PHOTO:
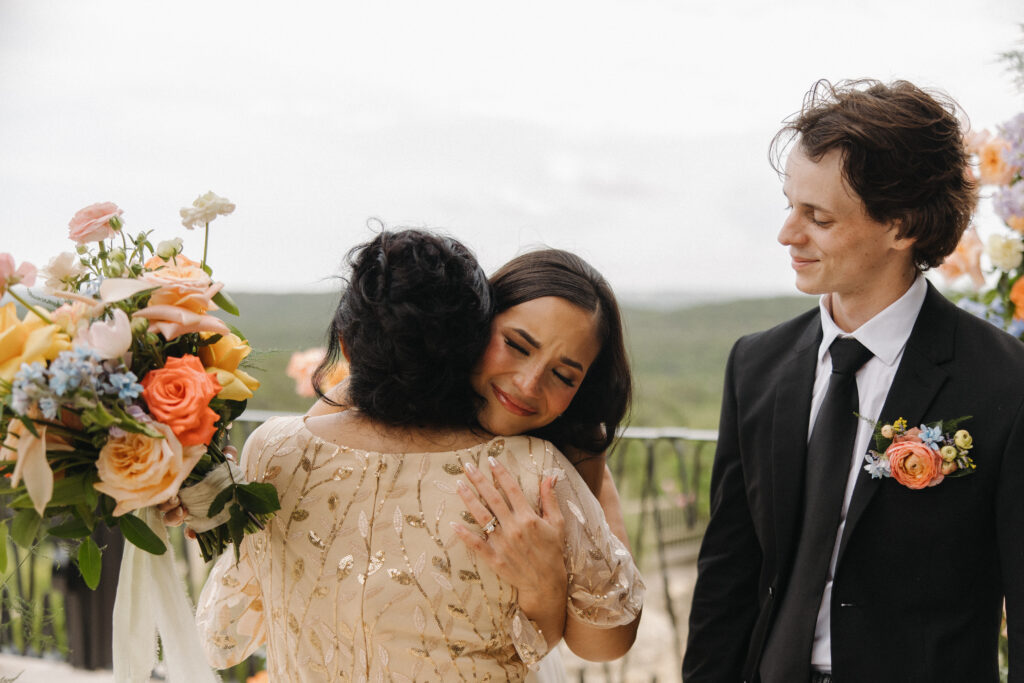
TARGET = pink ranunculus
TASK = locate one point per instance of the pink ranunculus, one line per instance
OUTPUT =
(92, 224)
(11, 275)
(109, 338)
(914, 464)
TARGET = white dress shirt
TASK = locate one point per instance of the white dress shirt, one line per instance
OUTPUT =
(885, 335)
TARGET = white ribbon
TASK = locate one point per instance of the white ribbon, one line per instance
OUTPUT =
(151, 601)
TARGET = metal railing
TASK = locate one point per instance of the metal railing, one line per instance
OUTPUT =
(662, 475)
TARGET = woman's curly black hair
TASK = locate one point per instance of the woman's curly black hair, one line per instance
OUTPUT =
(413, 320)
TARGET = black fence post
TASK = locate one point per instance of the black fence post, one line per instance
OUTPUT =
(87, 613)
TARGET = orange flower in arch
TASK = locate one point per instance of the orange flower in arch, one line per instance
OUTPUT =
(1017, 298)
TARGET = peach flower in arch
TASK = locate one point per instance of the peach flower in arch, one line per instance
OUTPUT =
(992, 166)
(965, 259)
(303, 364)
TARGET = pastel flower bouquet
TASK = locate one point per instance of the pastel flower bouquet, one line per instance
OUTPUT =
(117, 391)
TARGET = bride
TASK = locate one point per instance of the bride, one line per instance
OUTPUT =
(360, 575)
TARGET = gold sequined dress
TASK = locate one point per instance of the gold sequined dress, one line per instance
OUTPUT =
(360, 576)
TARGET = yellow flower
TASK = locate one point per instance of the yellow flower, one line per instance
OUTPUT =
(222, 359)
(963, 439)
(887, 432)
(948, 453)
(27, 341)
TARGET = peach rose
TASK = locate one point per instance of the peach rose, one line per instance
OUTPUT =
(914, 464)
(137, 470)
(94, 223)
(178, 394)
(180, 271)
(176, 310)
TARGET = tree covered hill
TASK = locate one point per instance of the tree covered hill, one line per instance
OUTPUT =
(678, 355)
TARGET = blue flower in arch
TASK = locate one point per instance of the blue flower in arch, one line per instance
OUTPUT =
(932, 436)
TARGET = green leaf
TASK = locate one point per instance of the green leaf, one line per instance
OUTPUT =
(130, 424)
(73, 490)
(225, 302)
(90, 562)
(260, 498)
(73, 528)
(85, 514)
(236, 524)
(25, 527)
(3, 547)
(237, 332)
(29, 425)
(220, 501)
(139, 533)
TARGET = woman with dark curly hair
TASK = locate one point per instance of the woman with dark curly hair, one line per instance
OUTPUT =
(359, 576)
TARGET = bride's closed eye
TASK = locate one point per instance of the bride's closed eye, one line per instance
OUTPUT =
(517, 347)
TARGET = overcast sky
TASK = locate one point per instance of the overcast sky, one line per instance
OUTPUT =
(632, 131)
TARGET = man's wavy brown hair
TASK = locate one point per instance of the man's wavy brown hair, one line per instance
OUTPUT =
(902, 153)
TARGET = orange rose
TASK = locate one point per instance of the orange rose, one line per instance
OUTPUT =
(1017, 297)
(137, 470)
(178, 394)
(914, 464)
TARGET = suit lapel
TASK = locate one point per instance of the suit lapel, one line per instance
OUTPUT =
(917, 381)
(789, 440)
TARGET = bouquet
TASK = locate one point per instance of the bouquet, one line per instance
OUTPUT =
(117, 391)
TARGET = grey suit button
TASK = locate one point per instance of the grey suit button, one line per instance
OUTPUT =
(771, 594)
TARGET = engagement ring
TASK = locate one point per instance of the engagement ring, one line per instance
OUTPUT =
(490, 526)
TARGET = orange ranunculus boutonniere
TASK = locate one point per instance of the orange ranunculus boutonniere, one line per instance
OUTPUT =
(923, 456)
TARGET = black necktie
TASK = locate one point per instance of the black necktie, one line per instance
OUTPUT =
(787, 655)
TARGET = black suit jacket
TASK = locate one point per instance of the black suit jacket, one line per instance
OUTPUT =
(921, 575)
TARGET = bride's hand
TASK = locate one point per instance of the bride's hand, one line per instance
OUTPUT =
(524, 549)
(174, 511)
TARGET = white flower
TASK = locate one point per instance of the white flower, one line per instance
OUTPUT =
(108, 338)
(61, 269)
(1004, 252)
(204, 209)
(168, 249)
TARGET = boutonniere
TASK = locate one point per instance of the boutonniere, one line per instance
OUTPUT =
(923, 456)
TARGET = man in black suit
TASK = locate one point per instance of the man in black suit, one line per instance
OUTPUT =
(812, 570)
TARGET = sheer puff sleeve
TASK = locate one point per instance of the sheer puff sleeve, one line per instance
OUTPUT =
(605, 586)
(229, 613)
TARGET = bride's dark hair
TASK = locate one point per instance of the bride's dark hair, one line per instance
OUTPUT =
(413, 320)
(602, 402)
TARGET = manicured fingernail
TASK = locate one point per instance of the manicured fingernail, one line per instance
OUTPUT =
(460, 485)
(469, 467)
(454, 525)
(491, 459)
